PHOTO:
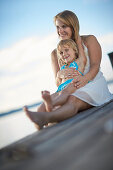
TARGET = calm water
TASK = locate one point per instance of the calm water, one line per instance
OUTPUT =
(14, 127)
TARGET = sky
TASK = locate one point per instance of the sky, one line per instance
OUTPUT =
(27, 37)
(26, 18)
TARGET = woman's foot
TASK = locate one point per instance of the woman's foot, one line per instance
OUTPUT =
(36, 117)
(47, 100)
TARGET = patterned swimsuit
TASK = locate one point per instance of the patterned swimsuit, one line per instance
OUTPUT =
(63, 85)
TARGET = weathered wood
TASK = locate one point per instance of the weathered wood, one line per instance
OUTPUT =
(84, 142)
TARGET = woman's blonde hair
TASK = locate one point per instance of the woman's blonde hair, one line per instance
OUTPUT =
(67, 42)
(70, 19)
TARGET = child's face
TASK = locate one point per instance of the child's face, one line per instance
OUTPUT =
(67, 54)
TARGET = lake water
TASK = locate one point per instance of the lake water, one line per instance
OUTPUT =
(14, 127)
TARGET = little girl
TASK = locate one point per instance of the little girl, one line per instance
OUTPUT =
(68, 53)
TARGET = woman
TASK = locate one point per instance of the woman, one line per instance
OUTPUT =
(91, 88)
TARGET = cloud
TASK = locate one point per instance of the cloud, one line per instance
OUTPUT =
(26, 69)
(107, 39)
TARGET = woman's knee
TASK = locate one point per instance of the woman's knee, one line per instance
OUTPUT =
(78, 103)
(71, 99)
(41, 108)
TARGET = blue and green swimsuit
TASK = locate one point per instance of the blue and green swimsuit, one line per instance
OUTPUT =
(63, 85)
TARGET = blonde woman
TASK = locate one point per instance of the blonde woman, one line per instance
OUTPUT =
(87, 94)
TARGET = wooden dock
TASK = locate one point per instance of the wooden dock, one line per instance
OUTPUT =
(83, 142)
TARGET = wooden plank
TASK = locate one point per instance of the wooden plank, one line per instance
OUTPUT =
(76, 146)
(80, 142)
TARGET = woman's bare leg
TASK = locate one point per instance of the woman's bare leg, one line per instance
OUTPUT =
(51, 102)
(69, 109)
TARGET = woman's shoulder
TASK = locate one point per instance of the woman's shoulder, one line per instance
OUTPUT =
(88, 39)
(54, 55)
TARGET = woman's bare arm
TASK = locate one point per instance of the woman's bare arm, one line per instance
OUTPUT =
(95, 55)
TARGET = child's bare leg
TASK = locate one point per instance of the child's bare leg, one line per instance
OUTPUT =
(63, 95)
(42, 107)
(47, 100)
(56, 99)
(59, 99)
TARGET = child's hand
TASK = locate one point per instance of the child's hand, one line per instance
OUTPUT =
(68, 73)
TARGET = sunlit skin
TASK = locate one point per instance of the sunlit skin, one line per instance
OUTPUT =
(67, 54)
(73, 105)
(41, 118)
(63, 30)
(94, 51)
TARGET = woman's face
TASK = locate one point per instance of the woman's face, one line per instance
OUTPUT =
(63, 30)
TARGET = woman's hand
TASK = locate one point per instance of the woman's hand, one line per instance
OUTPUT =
(80, 81)
(68, 73)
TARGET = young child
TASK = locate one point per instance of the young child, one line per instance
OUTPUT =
(68, 52)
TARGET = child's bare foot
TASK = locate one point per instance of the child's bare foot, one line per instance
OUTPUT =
(47, 100)
(36, 117)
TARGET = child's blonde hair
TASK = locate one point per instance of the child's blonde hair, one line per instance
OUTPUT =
(70, 43)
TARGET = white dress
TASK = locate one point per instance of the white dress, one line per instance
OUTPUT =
(96, 92)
